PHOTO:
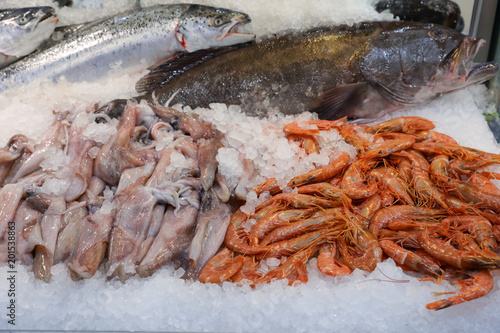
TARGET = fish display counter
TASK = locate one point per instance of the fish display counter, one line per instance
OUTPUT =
(241, 177)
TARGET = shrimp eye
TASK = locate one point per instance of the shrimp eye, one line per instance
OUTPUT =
(437, 34)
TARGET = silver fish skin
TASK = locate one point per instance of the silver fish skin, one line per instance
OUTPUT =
(134, 41)
(22, 30)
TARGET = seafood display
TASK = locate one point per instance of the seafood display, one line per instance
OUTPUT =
(360, 71)
(135, 39)
(410, 193)
(250, 181)
(22, 30)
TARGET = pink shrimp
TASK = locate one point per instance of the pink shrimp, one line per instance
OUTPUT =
(321, 174)
(354, 182)
(221, 267)
(328, 263)
(402, 124)
(478, 286)
(410, 259)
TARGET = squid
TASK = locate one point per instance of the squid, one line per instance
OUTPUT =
(211, 225)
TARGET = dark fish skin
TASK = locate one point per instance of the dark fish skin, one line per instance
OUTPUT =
(443, 12)
(358, 72)
(62, 3)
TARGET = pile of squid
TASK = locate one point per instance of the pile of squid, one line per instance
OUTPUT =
(411, 194)
(133, 200)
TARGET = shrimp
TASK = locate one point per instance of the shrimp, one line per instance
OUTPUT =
(290, 246)
(275, 220)
(328, 263)
(425, 189)
(328, 191)
(294, 268)
(221, 267)
(384, 216)
(484, 183)
(479, 285)
(371, 205)
(321, 174)
(355, 184)
(394, 136)
(320, 219)
(406, 239)
(434, 136)
(402, 124)
(312, 127)
(389, 147)
(306, 142)
(472, 194)
(269, 185)
(403, 166)
(447, 253)
(351, 135)
(410, 259)
(248, 271)
(367, 252)
(395, 185)
(455, 151)
(478, 226)
(297, 201)
(463, 167)
(439, 165)
(237, 239)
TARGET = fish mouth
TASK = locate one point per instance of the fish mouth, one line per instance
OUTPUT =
(460, 63)
(48, 14)
(239, 30)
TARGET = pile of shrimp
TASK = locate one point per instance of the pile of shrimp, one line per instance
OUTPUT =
(410, 194)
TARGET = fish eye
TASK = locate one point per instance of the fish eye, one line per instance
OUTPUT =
(437, 34)
(23, 20)
(217, 21)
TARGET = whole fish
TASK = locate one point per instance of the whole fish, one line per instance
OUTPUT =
(22, 30)
(443, 12)
(355, 71)
(133, 40)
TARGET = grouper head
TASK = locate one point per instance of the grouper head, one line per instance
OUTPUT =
(411, 63)
(203, 27)
(22, 30)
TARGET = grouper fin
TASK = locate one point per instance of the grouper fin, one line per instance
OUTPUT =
(166, 70)
(340, 101)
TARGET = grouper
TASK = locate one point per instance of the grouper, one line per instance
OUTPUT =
(358, 71)
(130, 42)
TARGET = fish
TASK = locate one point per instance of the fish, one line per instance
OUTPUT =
(131, 42)
(360, 71)
(443, 12)
(62, 3)
(22, 30)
